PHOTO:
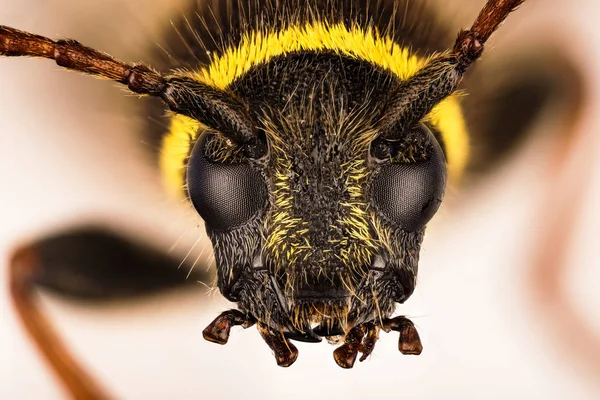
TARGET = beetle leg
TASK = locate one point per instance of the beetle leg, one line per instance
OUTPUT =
(95, 264)
(85, 264)
(409, 342)
(218, 330)
(24, 269)
(285, 352)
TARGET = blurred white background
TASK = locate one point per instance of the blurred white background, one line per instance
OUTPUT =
(71, 152)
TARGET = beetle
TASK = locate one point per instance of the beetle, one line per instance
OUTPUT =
(319, 231)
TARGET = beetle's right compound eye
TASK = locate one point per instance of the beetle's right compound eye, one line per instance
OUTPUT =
(226, 192)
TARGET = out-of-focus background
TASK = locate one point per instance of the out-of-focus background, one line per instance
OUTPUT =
(72, 152)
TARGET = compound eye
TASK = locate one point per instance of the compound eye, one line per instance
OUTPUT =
(410, 179)
(224, 187)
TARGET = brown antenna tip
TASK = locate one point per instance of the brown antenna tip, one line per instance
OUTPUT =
(470, 43)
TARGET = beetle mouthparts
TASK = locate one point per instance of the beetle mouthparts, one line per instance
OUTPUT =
(360, 339)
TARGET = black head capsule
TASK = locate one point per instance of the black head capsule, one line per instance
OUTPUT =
(325, 238)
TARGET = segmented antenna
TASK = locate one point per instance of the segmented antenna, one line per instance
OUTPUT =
(469, 44)
(416, 97)
(212, 107)
(73, 55)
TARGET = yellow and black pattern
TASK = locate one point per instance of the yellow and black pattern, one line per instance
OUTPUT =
(316, 76)
(229, 38)
(315, 138)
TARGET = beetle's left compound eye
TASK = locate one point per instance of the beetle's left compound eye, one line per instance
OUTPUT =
(225, 189)
(410, 180)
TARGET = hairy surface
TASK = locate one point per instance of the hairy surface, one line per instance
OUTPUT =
(320, 254)
(217, 42)
(320, 235)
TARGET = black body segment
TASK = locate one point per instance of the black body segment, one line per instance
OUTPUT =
(95, 264)
(526, 86)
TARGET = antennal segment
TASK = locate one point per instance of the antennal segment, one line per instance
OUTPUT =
(75, 56)
(417, 96)
(212, 107)
(469, 44)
